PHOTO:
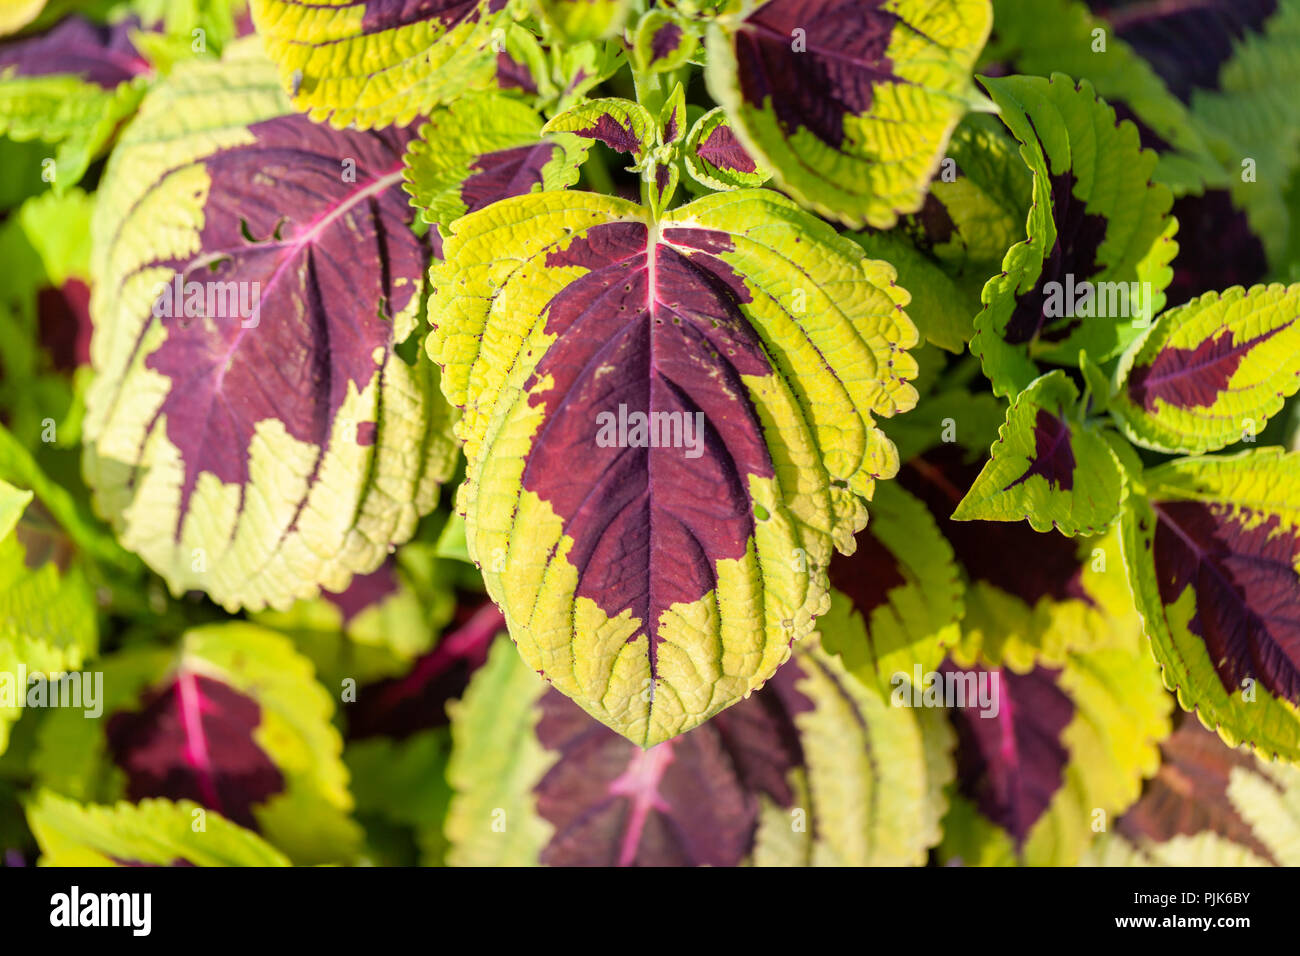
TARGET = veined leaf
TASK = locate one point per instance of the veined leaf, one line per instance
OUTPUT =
(232, 719)
(849, 104)
(150, 833)
(495, 762)
(580, 67)
(658, 581)
(1213, 550)
(578, 20)
(874, 775)
(1046, 36)
(715, 158)
(1212, 372)
(483, 148)
(1094, 266)
(1072, 596)
(942, 310)
(813, 769)
(72, 85)
(897, 598)
(663, 41)
(523, 65)
(381, 62)
(1048, 467)
(1041, 751)
(252, 430)
(945, 253)
(621, 125)
(1208, 805)
(976, 207)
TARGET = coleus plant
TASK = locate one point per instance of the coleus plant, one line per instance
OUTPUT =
(607, 433)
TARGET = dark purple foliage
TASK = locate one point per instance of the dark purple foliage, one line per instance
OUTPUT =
(513, 74)
(643, 516)
(1007, 554)
(193, 740)
(612, 133)
(721, 149)
(333, 261)
(1216, 248)
(364, 591)
(1079, 234)
(1011, 765)
(1186, 41)
(689, 801)
(815, 88)
(1189, 793)
(1053, 455)
(401, 706)
(1246, 586)
(381, 15)
(665, 41)
(868, 574)
(103, 55)
(63, 317)
(1191, 378)
(503, 173)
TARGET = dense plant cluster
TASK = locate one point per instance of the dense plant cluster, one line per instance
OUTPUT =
(614, 432)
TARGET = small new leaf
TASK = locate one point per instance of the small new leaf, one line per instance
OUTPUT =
(715, 158)
(1212, 372)
(1048, 466)
(622, 125)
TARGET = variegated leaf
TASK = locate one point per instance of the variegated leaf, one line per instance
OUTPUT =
(1212, 372)
(659, 578)
(381, 62)
(252, 431)
(849, 102)
(1213, 551)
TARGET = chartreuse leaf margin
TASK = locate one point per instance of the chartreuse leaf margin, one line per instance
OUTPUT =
(1211, 373)
(849, 104)
(1212, 554)
(1097, 224)
(148, 833)
(816, 769)
(160, 705)
(1101, 707)
(214, 444)
(1048, 466)
(772, 338)
(383, 62)
(483, 147)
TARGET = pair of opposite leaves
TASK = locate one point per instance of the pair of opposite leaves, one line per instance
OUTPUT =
(263, 458)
